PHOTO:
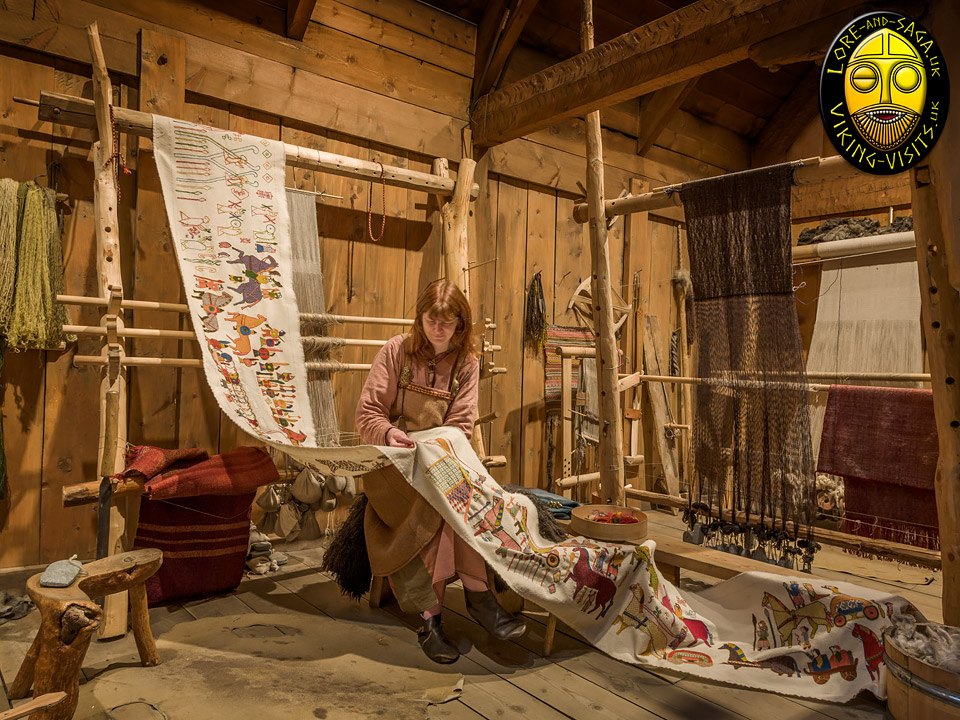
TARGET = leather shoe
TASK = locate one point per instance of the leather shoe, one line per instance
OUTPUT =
(484, 608)
(434, 642)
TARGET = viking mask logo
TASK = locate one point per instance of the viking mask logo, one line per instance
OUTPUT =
(884, 93)
(885, 88)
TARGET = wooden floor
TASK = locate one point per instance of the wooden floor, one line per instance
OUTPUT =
(288, 645)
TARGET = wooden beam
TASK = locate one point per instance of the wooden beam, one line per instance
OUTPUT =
(810, 42)
(786, 124)
(298, 17)
(933, 187)
(611, 428)
(656, 109)
(497, 35)
(685, 44)
(78, 112)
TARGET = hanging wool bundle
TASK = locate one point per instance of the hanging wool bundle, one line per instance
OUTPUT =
(37, 320)
(535, 325)
(752, 423)
(8, 248)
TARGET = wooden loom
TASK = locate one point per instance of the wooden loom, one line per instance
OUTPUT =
(933, 185)
(105, 118)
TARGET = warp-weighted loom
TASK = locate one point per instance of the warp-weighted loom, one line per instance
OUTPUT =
(109, 120)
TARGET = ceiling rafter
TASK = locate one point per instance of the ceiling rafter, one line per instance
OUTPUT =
(499, 30)
(695, 39)
(298, 17)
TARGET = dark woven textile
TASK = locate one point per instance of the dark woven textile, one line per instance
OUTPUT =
(204, 542)
(197, 511)
(751, 433)
(883, 442)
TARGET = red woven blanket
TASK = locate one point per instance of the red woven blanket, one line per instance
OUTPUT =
(883, 442)
(191, 472)
(197, 511)
(204, 543)
(886, 435)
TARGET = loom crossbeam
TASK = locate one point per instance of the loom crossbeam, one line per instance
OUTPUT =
(79, 112)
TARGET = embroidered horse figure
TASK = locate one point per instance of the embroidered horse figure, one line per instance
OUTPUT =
(211, 304)
(258, 270)
(872, 649)
(787, 620)
(585, 577)
(244, 324)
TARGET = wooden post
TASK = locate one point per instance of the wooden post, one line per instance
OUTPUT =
(105, 199)
(456, 213)
(940, 314)
(611, 428)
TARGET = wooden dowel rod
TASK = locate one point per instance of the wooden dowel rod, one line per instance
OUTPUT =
(574, 480)
(635, 379)
(570, 351)
(808, 171)
(130, 332)
(885, 548)
(126, 304)
(134, 361)
(190, 335)
(489, 417)
(182, 308)
(326, 317)
(852, 247)
(79, 112)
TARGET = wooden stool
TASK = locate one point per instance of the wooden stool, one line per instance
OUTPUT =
(68, 617)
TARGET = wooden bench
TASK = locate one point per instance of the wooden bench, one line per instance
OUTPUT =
(672, 554)
(68, 618)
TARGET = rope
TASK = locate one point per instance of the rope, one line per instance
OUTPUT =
(383, 223)
(115, 156)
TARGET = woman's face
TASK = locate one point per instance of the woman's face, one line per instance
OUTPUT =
(439, 330)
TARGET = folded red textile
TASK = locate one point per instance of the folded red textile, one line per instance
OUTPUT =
(204, 543)
(886, 435)
(147, 460)
(238, 471)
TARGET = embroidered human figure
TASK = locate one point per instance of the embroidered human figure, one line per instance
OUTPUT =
(763, 636)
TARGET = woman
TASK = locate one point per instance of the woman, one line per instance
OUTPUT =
(418, 381)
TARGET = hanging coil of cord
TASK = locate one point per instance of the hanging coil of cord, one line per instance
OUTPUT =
(383, 223)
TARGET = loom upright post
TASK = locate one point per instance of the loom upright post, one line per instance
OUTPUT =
(113, 389)
(933, 188)
(611, 429)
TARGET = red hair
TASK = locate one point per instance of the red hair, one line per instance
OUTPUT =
(444, 300)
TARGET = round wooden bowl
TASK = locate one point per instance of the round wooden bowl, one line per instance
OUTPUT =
(581, 524)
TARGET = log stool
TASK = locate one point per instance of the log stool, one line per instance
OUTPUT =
(68, 617)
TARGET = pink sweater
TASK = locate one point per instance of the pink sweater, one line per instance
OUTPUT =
(380, 390)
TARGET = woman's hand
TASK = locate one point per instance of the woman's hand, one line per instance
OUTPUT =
(398, 438)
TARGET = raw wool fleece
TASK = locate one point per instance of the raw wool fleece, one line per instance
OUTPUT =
(799, 637)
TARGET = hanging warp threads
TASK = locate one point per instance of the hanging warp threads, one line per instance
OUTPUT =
(752, 432)
(308, 288)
